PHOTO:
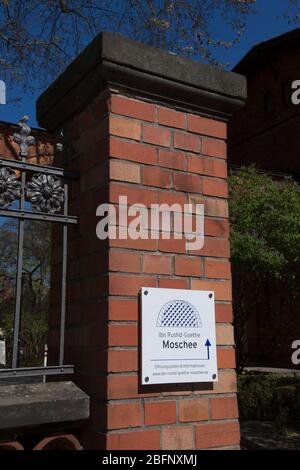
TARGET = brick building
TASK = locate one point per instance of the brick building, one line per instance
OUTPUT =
(266, 132)
(151, 126)
(41, 152)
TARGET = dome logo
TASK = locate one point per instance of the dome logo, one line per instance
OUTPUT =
(180, 314)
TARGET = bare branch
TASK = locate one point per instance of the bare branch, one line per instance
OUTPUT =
(39, 37)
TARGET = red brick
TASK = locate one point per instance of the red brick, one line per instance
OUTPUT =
(166, 197)
(125, 386)
(135, 195)
(224, 335)
(217, 269)
(92, 440)
(11, 149)
(15, 445)
(223, 313)
(122, 335)
(189, 142)
(205, 126)
(216, 227)
(212, 207)
(122, 387)
(226, 358)
(157, 264)
(194, 410)
(212, 187)
(129, 285)
(139, 244)
(173, 283)
(160, 412)
(88, 288)
(122, 309)
(186, 266)
(177, 390)
(141, 440)
(207, 166)
(213, 247)
(122, 360)
(96, 134)
(224, 408)
(214, 148)
(172, 245)
(98, 153)
(187, 183)
(171, 159)
(130, 217)
(86, 119)
(124, 261)
(125, 128)
(222, 289)
(122, 171)
(100, 107)
(156, 177)
(94, 177)
(123, 415)
(156, 135)
(171, 118)
(226, 382)
(178, 438)
(133, 108)
(133, 151)
(217, 435)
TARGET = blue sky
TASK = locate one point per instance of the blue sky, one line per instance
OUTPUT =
(267, 23)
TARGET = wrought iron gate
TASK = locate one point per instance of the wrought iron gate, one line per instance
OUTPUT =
(46, 189)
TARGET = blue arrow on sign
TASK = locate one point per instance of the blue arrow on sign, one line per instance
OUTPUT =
(207, 344)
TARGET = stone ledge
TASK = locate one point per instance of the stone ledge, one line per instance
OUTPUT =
(111, 59)
(41, 403)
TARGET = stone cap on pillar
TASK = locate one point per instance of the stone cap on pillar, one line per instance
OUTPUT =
(112, 60)
(34, 404)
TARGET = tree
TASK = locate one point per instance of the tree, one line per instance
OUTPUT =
(35, 288)
(39, 37)
(265, 240)
(292, 12)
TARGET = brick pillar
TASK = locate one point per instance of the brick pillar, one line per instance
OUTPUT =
(150, 126)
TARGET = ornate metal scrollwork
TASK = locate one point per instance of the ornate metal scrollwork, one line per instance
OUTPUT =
(10, 187)
(64, 145)
(23, 138)
(45, 193)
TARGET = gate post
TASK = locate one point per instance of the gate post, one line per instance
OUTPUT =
(151, 126)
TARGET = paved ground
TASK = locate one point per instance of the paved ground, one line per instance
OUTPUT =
(262, 435)
(275, 370)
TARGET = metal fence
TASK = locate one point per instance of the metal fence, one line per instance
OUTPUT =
(45, 190)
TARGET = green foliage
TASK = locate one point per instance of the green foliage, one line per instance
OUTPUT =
(265, 240)
(35, 289)
(34, 328)
(269, 397)
(265, 222)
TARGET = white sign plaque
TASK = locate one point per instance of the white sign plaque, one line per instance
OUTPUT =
(178, 336)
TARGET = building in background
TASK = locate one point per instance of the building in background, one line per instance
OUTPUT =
(266, 132)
